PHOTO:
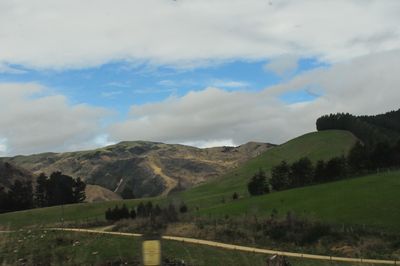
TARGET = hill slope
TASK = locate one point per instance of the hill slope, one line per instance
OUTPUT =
(9, 173)
(95, 193)
(147, 168)
(371, 200)
(316, 146)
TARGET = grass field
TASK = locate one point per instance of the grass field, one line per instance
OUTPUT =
(53, 248)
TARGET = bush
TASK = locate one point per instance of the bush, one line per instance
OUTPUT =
(183, 208)
(235, 196)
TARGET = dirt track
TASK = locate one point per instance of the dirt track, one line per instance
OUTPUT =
(241, 248)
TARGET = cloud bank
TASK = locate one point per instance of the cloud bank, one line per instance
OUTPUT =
(366, 85)
(75, 34)
(32, 119)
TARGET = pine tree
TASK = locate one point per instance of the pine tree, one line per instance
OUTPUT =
(172, 214)
(157, 210)
(320, 171)
(109, 214)
(20, 196)
(235, 196)
(358, 158)
(79, 194)
(4, 204)
(183, 208)
(132, 213)
(115, 214)
(140, 211)
(124, 212)
(41, 199)
(148, 209)
(302, 172)
(258, 184)
(280, 176)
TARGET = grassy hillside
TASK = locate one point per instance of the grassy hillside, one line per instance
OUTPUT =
(316, 146)
(82, 212)
(371, 200)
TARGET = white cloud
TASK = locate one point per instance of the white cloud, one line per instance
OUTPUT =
(3, 146)
(110, 94)
(365, 85)
(32, 119)
(282, 65)
(102, 140)
(210, 143)
(229, 84)
(73, 33)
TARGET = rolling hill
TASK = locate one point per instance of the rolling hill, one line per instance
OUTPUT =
(318, 145)
(147, 168)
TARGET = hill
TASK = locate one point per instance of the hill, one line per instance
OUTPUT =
(95, 193)
(317, 145)
(146, 168)
(9, 173)
(369, 200)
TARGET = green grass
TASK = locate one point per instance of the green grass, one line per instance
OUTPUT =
(80, 213)
(61, 248)
(370, 200)
(316, 146)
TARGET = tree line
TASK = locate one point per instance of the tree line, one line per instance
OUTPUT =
(371, 130)
(360, 160)
(48, 191)
(166, 214)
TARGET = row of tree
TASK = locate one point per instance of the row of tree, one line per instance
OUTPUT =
(146, 210)
(303, 172)
(49, 191)
(18, 197)
(360, 160)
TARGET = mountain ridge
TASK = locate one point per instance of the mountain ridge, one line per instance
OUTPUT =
(147, 168)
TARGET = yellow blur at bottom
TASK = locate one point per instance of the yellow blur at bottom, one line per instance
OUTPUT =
(151, 252)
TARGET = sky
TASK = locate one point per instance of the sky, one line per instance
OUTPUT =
(79, 75)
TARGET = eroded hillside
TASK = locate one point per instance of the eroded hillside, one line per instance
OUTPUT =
(147, 168)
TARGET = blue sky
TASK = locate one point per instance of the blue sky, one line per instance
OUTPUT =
(119, 85)
(77, 75)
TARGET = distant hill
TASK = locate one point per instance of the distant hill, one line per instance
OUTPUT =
(371, 200)
(146, 168)
(9, 173)
(370, 129)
